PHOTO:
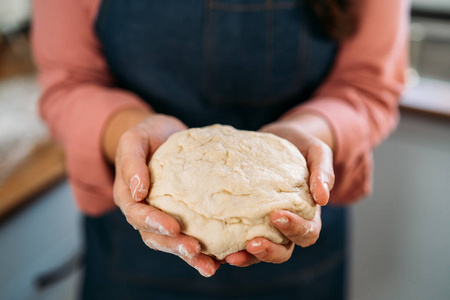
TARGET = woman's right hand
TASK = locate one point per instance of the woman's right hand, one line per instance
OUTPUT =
(158, 230)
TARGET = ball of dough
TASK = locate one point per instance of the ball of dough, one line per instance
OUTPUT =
(222, 185)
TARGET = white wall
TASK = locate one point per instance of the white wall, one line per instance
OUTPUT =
(432, 4)
(13, 13)
(401, 234)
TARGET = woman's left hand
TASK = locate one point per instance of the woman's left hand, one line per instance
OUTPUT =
(298, 230)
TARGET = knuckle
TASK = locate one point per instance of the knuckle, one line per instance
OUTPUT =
(295, 231)
(129, 219)
(124, 163)
(266, 256)
(329, 175)
(284, 258)
(281, 259)
(313, 239)
(122, 143)
(326, 174)
(332, 179)
(171, 119)
(116, 196)
(126, 137)
(287, 256)
(128, 212)
(327, 150)
(277, 262)
(127, 209)
(254, 261)
(318, 146)
(309, 241)
(305, 245)
(151, 244)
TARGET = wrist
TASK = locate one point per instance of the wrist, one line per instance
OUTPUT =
(117, 125)
(313, 124)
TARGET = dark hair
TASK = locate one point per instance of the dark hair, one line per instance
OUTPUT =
(337, 17)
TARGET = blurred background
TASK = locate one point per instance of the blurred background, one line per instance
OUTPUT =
(399, 236)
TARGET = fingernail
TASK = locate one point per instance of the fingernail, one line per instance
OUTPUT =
(134, 185)
(314, 197)
(313, 189)
(203, 272)
(282, 222)
(155, 227)
(141, 193)
(325, 199)
(327, 188)
(256, 244)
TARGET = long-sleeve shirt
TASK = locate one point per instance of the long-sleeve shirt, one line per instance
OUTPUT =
(359, 98)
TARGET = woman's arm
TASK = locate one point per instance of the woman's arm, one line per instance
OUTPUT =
(359, 100)
(78, 99)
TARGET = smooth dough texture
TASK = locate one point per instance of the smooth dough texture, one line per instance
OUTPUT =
(222, 185)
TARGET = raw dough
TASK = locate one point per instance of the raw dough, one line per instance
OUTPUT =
(222, 185)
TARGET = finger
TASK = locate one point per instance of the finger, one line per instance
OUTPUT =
(159, 128)
(300, 231)
(241, 259)
(143, 216)
(320, 163)
(131, 162)
(185, 247)
(265, 250)
(180, 245)
(204, 264)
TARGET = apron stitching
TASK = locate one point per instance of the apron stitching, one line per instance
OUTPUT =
(301, 58)
(252, 7)
(207, 45)
(269, 50)
(301, 63)
(213, 44)
(212, 7)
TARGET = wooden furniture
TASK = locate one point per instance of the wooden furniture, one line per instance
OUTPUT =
(43, 168)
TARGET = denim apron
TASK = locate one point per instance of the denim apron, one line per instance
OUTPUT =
(237, 62)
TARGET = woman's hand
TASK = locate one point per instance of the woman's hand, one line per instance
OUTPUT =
(158, 230)
(299, 231)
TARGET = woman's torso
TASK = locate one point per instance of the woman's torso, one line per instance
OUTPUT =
(242, 63)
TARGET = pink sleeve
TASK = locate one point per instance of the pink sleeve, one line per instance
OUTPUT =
(77, 99)
(360, 97)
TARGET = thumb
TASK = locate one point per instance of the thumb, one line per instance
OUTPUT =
(131, 163)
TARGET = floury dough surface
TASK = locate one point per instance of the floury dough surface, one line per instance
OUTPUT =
(222, 185)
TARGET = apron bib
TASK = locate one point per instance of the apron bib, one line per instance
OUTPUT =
(216, 61)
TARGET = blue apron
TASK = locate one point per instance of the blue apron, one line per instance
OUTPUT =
(242, 63)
